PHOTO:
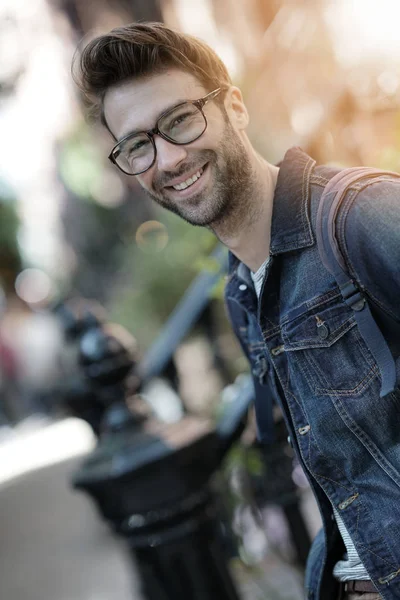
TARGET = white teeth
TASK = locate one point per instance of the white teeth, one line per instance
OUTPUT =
(188, 182)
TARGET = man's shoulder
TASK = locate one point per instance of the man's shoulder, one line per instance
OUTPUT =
(322, 174)
(375, 205)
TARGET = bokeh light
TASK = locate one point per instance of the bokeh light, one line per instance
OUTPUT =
(33, 286)
(152, 237)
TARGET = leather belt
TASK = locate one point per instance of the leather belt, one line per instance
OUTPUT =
(360, 586)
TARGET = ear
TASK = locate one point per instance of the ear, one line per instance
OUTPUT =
(236, 108)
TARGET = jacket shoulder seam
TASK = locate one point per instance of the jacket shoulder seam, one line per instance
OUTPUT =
(319, 180)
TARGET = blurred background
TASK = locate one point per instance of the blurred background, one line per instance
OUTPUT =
(321, 74)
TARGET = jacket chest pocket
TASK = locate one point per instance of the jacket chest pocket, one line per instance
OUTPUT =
(326, 345)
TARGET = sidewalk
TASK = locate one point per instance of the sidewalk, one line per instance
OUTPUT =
(55, 547)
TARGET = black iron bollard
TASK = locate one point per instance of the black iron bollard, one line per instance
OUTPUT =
(153, 485)
(186, 559)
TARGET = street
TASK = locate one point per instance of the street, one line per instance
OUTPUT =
(54, 545)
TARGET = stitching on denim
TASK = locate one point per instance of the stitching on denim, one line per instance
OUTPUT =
(342, 216)
(368, 443)
(360, 505)
(313, 364)
(287, 370)
(305, 368)
(305, 194)
(381, 539)
(347, 203)
(324, 299)
(332, 481)
(318, 180)
(287, 391)
(361, 386)
(312, 305)
(391, 565)
(340, 332)
(342, 235)
(304, 458)
(316, 369)
(268, 333)
(327, 460)
(308, 459)
(369, 182)
(322, 455)
(358, 517)
(355, 391)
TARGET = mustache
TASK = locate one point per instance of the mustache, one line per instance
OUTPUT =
(163, 179)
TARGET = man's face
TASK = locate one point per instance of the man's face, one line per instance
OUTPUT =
(218, 156)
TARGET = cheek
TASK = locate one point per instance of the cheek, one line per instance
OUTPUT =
(145, 180)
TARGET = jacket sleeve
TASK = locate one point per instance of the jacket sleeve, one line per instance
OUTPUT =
(370, 237)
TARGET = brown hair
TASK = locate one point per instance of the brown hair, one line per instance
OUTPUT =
(141, 49)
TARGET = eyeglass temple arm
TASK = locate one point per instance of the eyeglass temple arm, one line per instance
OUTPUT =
(200, 103)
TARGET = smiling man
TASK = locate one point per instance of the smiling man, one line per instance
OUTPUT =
(179, 127)
(199, 177)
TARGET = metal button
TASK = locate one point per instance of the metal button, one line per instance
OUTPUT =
(304, 430)
(323, 331)
(322, 328)
(242, 287)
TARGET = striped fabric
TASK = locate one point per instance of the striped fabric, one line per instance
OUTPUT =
(350, 567)
(258, 276)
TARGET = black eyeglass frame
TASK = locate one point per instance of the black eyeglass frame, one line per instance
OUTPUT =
(199, 104)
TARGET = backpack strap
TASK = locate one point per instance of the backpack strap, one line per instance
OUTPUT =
(333, 260)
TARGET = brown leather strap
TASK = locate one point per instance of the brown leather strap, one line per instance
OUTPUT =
(359, 586)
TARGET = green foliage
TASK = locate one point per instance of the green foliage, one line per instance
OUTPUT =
(247, 458)
(160, 277)
(10, 258)
(80, 162)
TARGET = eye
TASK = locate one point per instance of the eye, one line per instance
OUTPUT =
(180, 119)
(137, 146)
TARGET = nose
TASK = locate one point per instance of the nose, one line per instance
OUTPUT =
(169, 156)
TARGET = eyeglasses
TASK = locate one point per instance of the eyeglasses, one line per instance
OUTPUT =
(180, 125)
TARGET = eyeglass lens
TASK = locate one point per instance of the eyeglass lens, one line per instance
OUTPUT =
(181, 125)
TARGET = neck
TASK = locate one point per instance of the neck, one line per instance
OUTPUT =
(247, 232)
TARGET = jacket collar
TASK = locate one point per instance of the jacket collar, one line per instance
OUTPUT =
(291, 224)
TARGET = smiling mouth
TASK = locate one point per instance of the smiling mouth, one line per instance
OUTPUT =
(188, 182)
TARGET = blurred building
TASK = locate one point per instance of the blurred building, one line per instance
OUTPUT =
(315, 73)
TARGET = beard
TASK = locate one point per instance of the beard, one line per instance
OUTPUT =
(229, 200)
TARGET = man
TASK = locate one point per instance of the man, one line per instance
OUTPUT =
(179, 127)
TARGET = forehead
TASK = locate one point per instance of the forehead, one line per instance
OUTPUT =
(136, 104)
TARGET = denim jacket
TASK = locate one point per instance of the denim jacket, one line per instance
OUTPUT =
(307, 355)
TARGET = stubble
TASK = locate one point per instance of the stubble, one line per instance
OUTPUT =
(229, 203)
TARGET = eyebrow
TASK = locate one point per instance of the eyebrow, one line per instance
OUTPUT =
(136, 131)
